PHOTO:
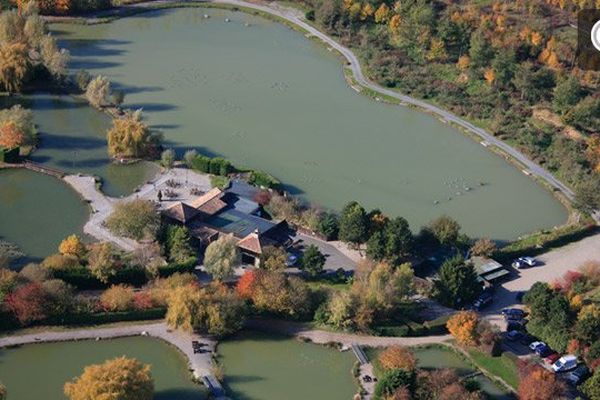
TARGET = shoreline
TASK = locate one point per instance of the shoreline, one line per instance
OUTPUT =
(355, 78)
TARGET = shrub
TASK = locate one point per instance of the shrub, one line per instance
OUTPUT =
(167, 158)
(392, 380)
(117, 298)
(463, 326)
(98, 91)
(220, 166)
(136, 219)
(72, 246)
(189, 157)
(262, 179)
(201, 163)
(397, 357)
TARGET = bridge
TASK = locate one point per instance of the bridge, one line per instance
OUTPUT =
(214, 386)
(360, 354)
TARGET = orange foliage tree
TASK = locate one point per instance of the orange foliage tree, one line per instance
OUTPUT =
(397, 357)
(245, 285)
(463, 326)
(11, 136)
(540, 384)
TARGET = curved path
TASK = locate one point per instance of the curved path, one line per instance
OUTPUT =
(294, 16)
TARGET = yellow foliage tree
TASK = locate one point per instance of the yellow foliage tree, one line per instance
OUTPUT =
(348, 4)
(437, 51)
(129, 137)
(463, 326)
(593, 151)
(14, 65)
(397, 357)
(464, 62)
(117, 298)
(118, 379)
(394, 24)
(366, 12)
(490, 76)
(536, 38)
(382, 14)
(183, 304)
(72, 246)
(354, 11)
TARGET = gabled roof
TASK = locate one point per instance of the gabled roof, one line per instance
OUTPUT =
(210, 202)
(251, 243)
(181, 212)
(205, 198)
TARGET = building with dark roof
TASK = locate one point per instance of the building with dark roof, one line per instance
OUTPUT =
(488, 270)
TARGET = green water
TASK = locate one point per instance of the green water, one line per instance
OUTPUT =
(72, 138)
(265, 367)
(266, 97)
(434, 358)
(40, 371)
(38, 211)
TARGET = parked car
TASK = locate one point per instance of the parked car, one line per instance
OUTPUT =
(524, 262)
(565, 363)
(292, 259)
(485, 299)
(578, 375)
(535, 345)
(514, 335)
(527, 339)
(552, 358)
(513, 313)
(543, 351)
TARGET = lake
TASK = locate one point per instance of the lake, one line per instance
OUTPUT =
(265, 97)
(39, 371)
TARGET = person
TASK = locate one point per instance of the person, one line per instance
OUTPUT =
(159, 195)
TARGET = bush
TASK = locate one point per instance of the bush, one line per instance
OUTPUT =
(201, 163)
(82, 278)
(310, 15)
(136, 219)
(262, 179)
(167, 158)
(220, 166)
(400, 330)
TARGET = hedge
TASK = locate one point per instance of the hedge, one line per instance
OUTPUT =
(259, 178)
(170, 269)
(107, 317)
(437, 326)
(9, 156)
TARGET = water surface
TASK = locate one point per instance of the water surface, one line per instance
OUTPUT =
(265, 367)
(40, 371)
(37, 211)
(266, 97)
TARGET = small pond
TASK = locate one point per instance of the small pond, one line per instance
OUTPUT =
(39, 371)
(266, 367)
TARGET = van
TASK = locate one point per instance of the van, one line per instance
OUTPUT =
(565, 363)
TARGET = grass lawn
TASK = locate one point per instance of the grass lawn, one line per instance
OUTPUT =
(503, 367)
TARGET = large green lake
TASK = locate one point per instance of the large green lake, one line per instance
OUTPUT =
(40, 371)
(268, 367)
(264, 96)
(37, 211)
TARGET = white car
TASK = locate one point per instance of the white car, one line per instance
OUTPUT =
(522, 262)
(565, 363)
(535, 345)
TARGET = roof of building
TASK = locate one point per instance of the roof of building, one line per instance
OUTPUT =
(240, 203)
(488, 269)
(242, 189)
(181, 212)
(255, 242)
(210, 202)
(239, 223)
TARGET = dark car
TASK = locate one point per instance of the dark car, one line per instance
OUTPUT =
(578, 375)
(484, 300)
(514, 325)
(513, 313)
(527, 339)
(514, 336)
(543, 351)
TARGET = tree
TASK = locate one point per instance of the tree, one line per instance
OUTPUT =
(117, 379)
(117, 298)
(392, 380)
(11, 136)
(484, 247)
(8, 281)
(28, 303)
(277, 293)
(2, 392)
(329, 226)
(382, 14)
(14, 65)
(313, 261)
(273, 258)
(463, 326)
(72, 246)
(22, 120)
(60, 297)
(136, 219)
(587, 195)
(480, 50)
(353, 223)
(245, 285)
(8, 253)
(397, 357)
(540, 384)
(445, 230)
(221, 257)
(98, 91)
(167, 158)
(103, 261)
(129, 137)
(567, 94)
(189, 157)
(376, 246)
(179, 245)
(34, 273)
(398, 240)
(457, 283)
(504, 66)
(182, 307)
(591, 388)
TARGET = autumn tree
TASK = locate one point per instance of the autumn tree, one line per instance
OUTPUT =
(103, 261)
(446, 230)
(540, 384)
(14, 65)
(484, 247)
(8, 281)
(98, 91)
(117, 298)
(245, 285)
(463, 326)
(72, 246)
(221, 257)
(273, 258)
(130, 137)
(137, 219)
(277, 293)
(397, 357)
(11, 136)
(117, 379)
(28, 303)
(382, 14)
(2, 392)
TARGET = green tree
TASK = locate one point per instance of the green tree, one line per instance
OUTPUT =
(480, 49)
(567, 93)
(136, 219)
(591, 388)
(167, 158)
(587, 195)
(313, 261)
(398, 240)
(329, 226)
(446, 230)
(376, 246)
(457, 283)
(189, 157)
(392, 380)
(179, 244)
(504, 66)
(118, 379)
(353, 223)
(221, 257)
